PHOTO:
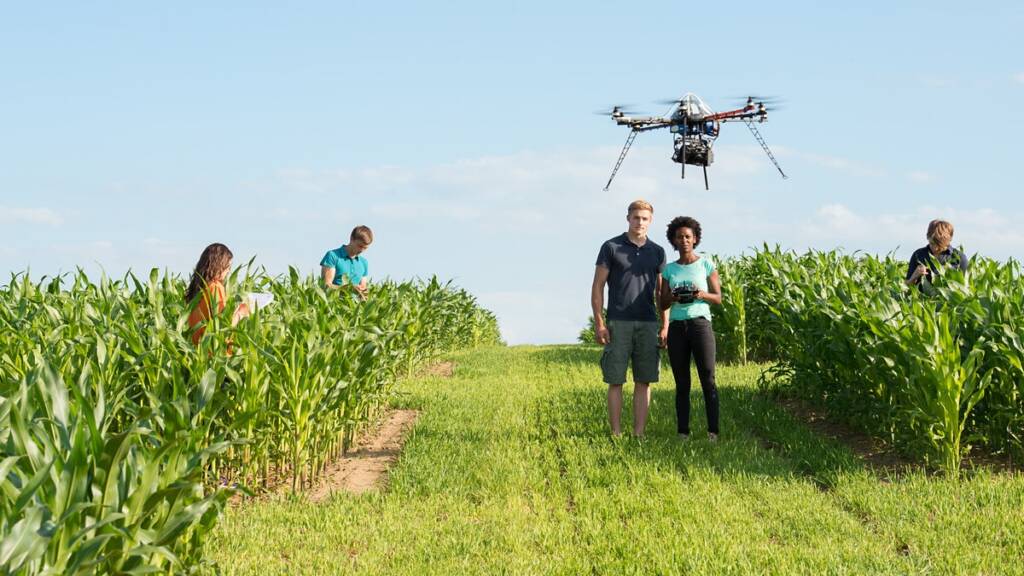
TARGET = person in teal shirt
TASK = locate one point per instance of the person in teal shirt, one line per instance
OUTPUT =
(345, 268)
(690, 285)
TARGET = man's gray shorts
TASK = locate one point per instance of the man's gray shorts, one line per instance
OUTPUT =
(631, 340)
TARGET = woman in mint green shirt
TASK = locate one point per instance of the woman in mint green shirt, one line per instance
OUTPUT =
(691, 285)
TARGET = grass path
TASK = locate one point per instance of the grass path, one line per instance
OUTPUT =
(510, 470)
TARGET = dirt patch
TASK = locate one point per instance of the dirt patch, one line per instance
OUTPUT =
(871, 450)
(879, 455)
(439, 370)
(366, 465)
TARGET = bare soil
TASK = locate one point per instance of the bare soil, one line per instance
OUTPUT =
(440, 370)
(879, 455)
(366, 465)
(872, 451)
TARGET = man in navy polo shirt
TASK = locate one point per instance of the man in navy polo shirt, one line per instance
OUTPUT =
(630, 264)
(344, 267)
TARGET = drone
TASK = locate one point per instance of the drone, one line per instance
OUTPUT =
(695, 127)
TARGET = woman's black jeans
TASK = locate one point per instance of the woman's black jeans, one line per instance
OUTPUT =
(694, 338)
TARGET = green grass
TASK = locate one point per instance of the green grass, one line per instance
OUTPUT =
(510, 470)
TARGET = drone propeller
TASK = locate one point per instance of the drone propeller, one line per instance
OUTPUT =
(618, 109)
(754, 99)
(669, 102)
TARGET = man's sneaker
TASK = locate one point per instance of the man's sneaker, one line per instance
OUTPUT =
(712, 437)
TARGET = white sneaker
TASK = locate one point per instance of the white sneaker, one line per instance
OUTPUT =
(712, 437)
(684, 437)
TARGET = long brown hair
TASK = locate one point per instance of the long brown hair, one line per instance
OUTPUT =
(214, 259)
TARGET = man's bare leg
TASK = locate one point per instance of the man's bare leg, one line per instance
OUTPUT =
(615, 409)
(641, 405)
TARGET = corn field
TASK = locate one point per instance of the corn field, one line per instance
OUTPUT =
(122, 441)
(934, 374)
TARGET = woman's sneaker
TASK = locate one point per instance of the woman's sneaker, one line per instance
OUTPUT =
(712, 437)
(684, 436)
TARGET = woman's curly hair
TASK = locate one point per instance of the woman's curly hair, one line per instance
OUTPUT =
(214, 259)
(683, 222)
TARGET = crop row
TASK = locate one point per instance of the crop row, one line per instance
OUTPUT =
(933, 374)
(122, 440)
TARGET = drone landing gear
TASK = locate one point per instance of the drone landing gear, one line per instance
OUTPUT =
(682, 168)
(704, 166)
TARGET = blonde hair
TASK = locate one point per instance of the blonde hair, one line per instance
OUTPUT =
(640, 205)
(940, 233)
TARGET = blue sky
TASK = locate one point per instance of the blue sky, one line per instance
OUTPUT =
(132, 135)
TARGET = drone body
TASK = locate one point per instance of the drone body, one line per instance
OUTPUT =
(695, 127)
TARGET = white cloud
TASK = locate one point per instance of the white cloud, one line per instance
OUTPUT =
(332, 182)
(92, 250)
(521, 231)
(837, 163)
(938, 81)
(548, 315)
(11, 215)
(412, 210)
(532, 192)
(115, 258)
(839, 218)
(162, 248)
(981, 230)
(920, 177)
(287, 214)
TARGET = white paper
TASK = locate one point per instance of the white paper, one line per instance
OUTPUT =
(257, 300)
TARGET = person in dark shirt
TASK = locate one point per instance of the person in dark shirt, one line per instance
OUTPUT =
(630, 264)
(924, 262)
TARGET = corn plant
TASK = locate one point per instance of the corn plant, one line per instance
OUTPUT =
(730, 319)
(88, 488)
(119, 433)
(926, 372)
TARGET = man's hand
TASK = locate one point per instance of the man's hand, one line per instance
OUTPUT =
(663, 337)
(601, 335)
(360, 290)
(919, 272)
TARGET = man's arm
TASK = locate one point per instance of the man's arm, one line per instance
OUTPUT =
(327, 275)
(364, 281)
(597, 304)
(915, 270)
(663, 310)
(916, 274)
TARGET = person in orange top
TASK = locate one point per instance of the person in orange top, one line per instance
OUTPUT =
(208, 283)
